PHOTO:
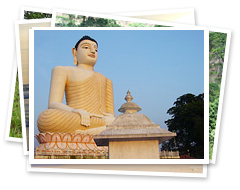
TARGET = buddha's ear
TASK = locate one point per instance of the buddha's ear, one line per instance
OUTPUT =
(74, 52)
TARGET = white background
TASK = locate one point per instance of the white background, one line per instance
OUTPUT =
(225, 173)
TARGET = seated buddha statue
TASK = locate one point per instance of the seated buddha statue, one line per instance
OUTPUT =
(89, 95)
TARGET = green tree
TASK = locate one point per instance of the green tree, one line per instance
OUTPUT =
(214, 92)
(71, 16)
(188, 122)
(71, 24)
(16, 127)
(97, 22)
(36, 15)
(157, 25)
(217, 44)
(213, 108)
(136, 24)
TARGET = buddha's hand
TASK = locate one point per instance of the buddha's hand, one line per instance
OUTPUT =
(108, 114)
(85, 116)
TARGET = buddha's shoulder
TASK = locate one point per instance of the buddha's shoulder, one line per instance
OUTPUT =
(101, 75)
(64, 68)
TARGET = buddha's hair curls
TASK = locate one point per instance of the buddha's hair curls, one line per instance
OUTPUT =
(85, 38)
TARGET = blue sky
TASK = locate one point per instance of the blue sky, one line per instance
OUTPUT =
(156, 66)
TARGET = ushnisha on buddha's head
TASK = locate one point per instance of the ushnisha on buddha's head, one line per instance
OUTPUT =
(85, 51)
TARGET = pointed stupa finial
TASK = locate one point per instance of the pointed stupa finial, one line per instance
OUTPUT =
(129, 106)
(128, 97)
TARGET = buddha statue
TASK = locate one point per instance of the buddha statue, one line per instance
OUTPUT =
(89, 95)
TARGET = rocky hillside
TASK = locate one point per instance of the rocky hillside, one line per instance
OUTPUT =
(217, 43)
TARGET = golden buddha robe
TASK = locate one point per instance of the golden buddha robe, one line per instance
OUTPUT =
(95, 95)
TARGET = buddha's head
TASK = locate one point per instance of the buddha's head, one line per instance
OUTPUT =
(85, 51)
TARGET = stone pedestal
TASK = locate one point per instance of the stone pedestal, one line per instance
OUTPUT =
(148, 149)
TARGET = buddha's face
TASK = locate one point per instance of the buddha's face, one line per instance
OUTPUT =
(86, 52)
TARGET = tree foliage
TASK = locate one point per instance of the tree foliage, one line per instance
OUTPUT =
(188, 122)
(98, 22)
(214, 92)
(16, 126)
(84, 21)
(157, 25)
(217, 44)
(36, 15)
(213, 109)
(136, 24)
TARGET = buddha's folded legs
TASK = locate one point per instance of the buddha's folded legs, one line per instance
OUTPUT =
(53, 120)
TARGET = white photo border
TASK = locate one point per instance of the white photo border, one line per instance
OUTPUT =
(31, 168)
